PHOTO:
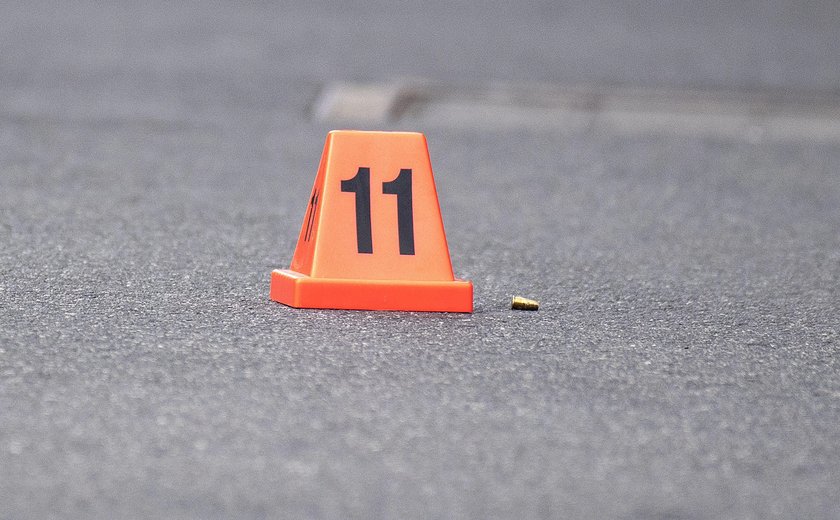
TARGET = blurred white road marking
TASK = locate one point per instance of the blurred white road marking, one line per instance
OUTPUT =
(753, 116)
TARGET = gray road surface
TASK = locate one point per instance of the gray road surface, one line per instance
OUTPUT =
(155, 163)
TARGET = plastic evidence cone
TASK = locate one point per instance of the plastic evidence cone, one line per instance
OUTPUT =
(372, 236)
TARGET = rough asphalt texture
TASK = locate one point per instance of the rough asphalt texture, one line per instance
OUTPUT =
(155, 163)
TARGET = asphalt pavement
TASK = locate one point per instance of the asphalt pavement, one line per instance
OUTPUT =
(155, 166)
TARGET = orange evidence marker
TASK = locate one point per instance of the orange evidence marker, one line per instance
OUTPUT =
(372, 237)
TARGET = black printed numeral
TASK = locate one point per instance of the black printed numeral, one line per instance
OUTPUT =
(310, 215)
(401, 187)
(360, 185)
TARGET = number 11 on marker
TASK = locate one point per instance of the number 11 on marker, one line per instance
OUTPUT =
(401, 187)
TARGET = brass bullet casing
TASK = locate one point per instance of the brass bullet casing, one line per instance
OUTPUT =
(524, 304)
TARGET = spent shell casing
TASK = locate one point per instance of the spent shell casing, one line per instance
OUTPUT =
(524, 304)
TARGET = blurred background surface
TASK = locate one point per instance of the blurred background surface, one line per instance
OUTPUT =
(662, 176)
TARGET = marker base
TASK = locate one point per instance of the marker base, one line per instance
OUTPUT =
(302, 291)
